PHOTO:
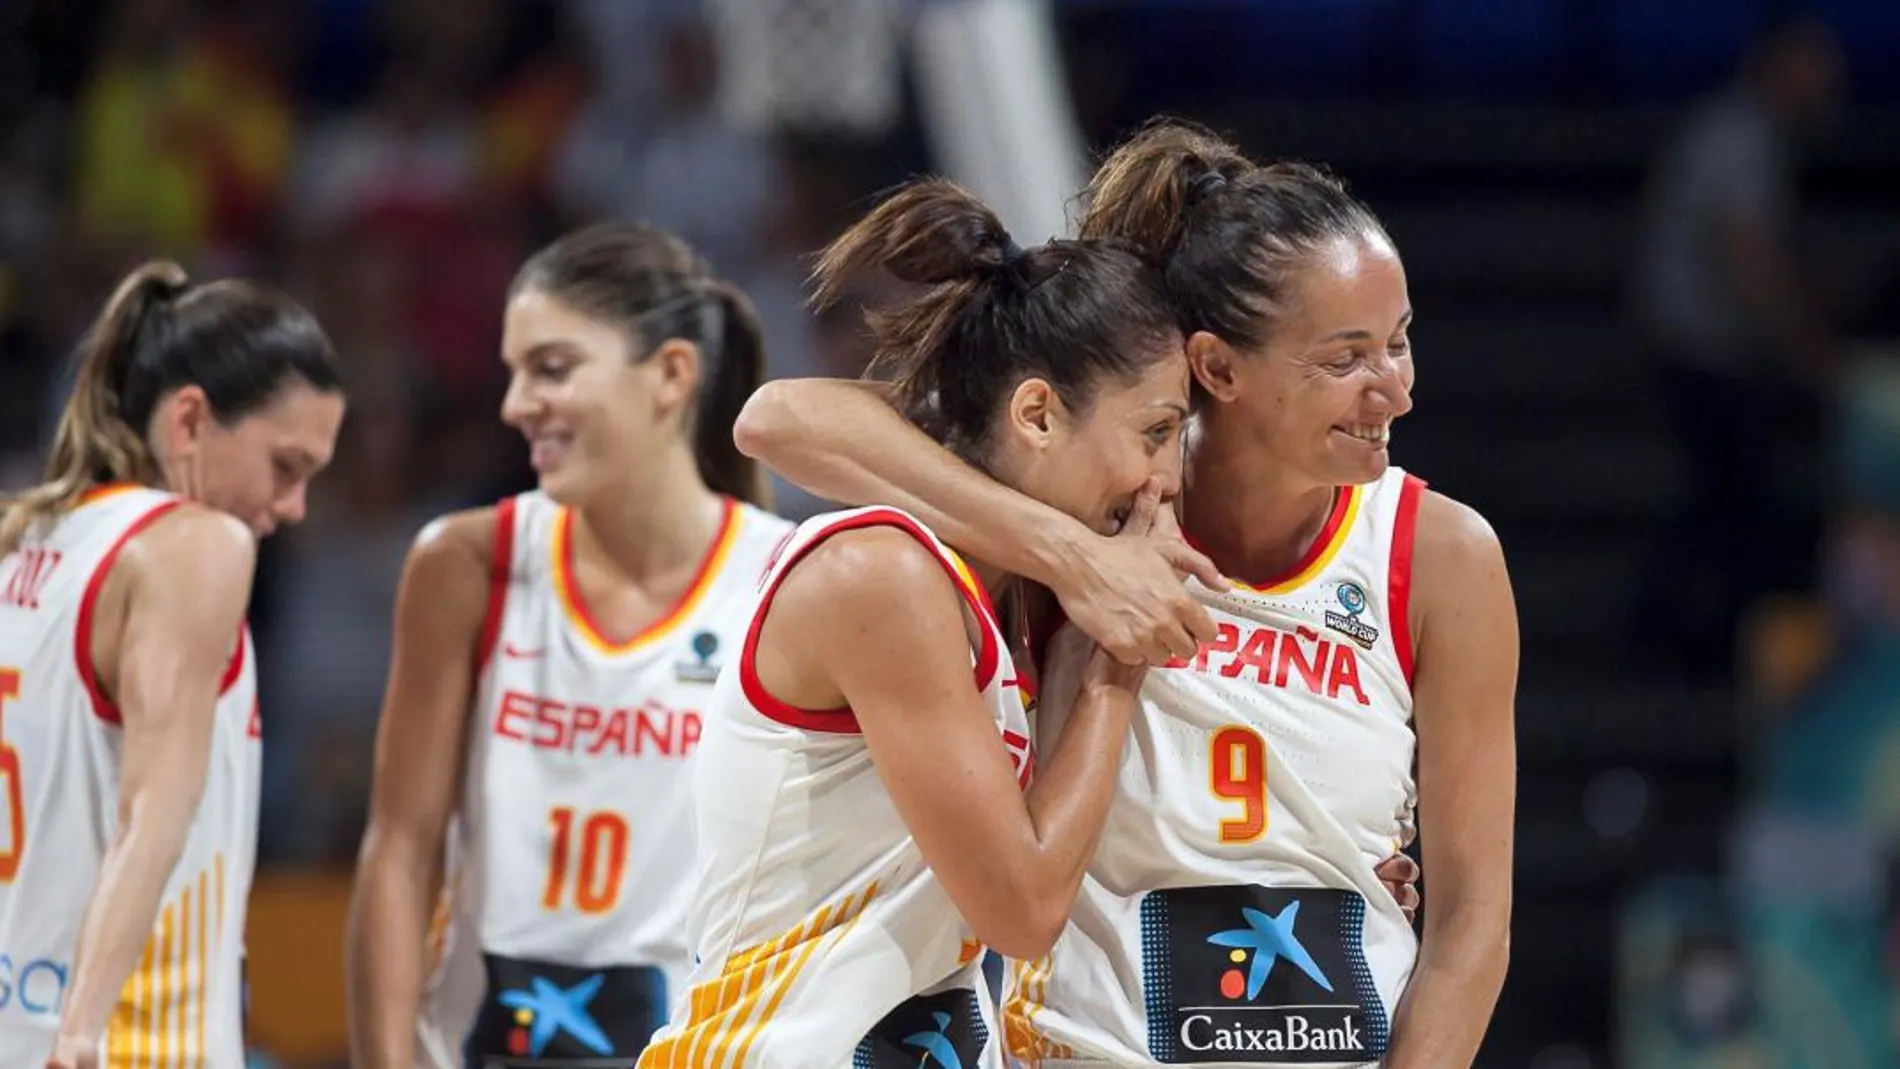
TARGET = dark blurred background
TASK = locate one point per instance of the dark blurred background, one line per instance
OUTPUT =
(1654, 246)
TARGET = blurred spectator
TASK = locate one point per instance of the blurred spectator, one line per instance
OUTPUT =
(414, 147)
(28, 209)
(401, 183)
(1820, 849)
(185, 129)
(1726, 309)
(681, 167)
(1835, 748)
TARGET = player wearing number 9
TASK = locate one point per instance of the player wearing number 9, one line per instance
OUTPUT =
(1234, 913)
(552, 658)
(129, 729)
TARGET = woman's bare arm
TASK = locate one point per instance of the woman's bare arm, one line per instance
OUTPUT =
(440, 606)
(1012, 862)
(186, 582)
(841, 440)
(1465, 709)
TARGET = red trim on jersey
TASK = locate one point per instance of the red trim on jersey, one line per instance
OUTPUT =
(989, 657)
(1342, 506)
(102, 706)
(842, 721)
(236, 665)
(501, 568)
(1398, 597)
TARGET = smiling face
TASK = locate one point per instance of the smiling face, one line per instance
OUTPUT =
(1320, 399)
(1092, 461)
(590, 412)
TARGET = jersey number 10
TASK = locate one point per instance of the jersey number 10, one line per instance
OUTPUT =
(15, 795)
(600, 842)
(1237, 772)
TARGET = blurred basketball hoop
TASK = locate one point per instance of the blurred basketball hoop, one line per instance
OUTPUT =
(811, 65)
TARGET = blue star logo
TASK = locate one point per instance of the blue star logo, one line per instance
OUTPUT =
(558, 1009)
(1270, 939)
(936, 1044)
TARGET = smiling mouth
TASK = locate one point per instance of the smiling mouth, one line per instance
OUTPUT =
(1370, 433)
(545, 450)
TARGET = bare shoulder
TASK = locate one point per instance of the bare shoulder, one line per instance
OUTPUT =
(878, 575)
(1459, 575)
(183, 582)
(190, 544)
(1454, 540)
(871, 589)
(453, 553)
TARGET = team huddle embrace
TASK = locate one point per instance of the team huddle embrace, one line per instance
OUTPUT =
(1134, 670)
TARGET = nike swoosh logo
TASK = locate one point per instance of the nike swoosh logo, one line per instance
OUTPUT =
(509, 649)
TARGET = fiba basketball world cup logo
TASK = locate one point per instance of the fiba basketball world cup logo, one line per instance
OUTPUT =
(1352, 598)
(701, 668)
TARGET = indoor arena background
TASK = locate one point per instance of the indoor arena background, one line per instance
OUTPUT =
(1706, 546)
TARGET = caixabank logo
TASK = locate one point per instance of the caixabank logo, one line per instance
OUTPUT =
(546, 1014)
(1256, 974)
(940, 1031)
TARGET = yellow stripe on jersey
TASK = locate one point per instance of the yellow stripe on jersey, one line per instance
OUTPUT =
(560, 550)
(435, 944)
(727, 1010)
(971, 585)
(159, 1021)
(191, 979)
(167, 986)
(203, 959)
(1025, 1041)
(1355, 496)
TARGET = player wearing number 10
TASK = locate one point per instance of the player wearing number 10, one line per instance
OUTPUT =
(1233, 914)
(552, 657)
(129, 728)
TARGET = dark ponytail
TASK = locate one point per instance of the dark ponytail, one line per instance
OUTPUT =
(654, 287)
(237, 341)
(1230, 234)
(993, 315)
(736, 372)
(1144, 189)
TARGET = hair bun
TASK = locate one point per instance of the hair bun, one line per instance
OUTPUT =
(1205, 185)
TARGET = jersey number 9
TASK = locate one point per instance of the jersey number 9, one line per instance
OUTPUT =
(601, 844)
(15, 796)
(1237, 772)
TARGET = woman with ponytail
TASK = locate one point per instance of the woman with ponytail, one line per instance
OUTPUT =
(553, 654)
(1235, 913)
(129, 749)
(870, 811)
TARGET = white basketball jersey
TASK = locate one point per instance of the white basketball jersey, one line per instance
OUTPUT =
(1231, 915)
(60, 763)
(573, 840)
(823, 938)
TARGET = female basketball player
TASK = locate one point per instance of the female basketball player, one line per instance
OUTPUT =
(553, 656)
(864, 827)
(1232, 914)
(129, 750)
